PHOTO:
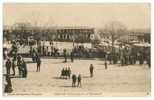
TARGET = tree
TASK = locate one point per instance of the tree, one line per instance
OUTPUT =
(114, 30)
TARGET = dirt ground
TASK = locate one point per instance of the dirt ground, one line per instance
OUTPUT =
(132, 80)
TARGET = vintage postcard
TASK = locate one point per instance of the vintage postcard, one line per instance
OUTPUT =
(76, 49)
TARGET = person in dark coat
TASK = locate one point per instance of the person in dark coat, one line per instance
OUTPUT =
(79, 80)
(69, 72)
(105, 64)
(72, 56)
(73, 80)
(8, 86)
(19, 64)
(38, 64)
(110, 57)
(34, 56)
(141, 59)
(20, 68)
(91, 68)
(13, 66)
(149, 61)
(65, 56)
(66, 73)
(8, 66)
(24, 67)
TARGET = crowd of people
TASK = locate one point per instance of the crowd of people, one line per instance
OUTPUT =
(130, 56)
(51, 50)
(18, 63)
(124, 55)
(44, 50)
(15, 61)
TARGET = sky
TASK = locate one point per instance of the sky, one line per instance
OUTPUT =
(132, 15)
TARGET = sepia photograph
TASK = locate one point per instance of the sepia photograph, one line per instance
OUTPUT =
(76, 49)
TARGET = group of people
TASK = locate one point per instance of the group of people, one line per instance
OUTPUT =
(22, 69)
(45, 50)
(125, 56)
(78, 78)
(36, 58)
(20, 63)
(13, 60)
(66, 55)
(75, 79)
(129, 56)
(66, 73)
(77, 51)
(22, 66)
(81, 51)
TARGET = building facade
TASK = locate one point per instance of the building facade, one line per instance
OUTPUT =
(74, 34)
(62, 34)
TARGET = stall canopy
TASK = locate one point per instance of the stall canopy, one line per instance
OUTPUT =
(142, 44)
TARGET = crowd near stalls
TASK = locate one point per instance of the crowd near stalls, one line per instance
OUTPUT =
(15, 51)
(14, 64)
(122, 53)
(126, 54)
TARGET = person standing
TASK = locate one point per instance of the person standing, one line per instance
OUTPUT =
(79, 80)
(19, 64)
(65, 56)
(69, 72)
(24, 67)
(91, 68)
(72, 56)
(149, 61)
(66, 73)
(13, 66)
(105, 64)
(8, 86)
(8, 66)
(73, 80)
(38, 64)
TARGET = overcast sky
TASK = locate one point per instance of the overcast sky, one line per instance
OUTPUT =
(93, 15)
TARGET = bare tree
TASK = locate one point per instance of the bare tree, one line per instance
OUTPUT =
(114, 30)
